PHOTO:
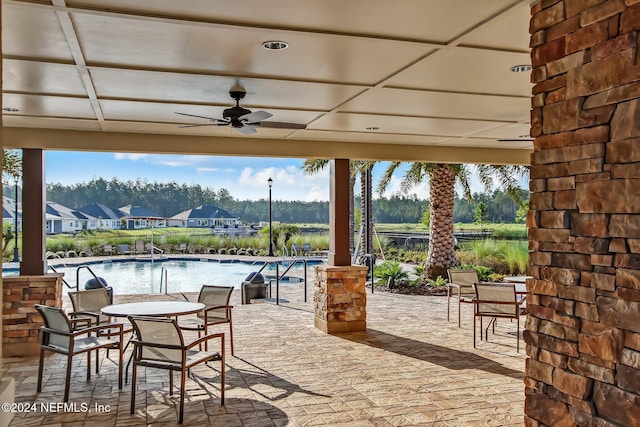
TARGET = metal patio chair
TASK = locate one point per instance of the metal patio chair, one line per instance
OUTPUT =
(88, 305)
(217, 311)
(461, 283)
(159, 344)
(62, 335)
(496, 300)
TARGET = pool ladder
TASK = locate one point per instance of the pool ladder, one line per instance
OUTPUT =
(284, 273)
(164, 274)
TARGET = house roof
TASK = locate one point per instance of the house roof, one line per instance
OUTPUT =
(203, 212)
(138, 212)
(57, 211)
(98, 210)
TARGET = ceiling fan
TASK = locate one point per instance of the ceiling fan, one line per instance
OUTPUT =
(242, 119)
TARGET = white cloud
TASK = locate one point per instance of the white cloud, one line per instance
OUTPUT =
(134, 157)
(289, 183)
(204, 169)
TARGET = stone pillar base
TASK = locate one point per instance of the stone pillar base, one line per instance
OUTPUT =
(340, 299)
(20, 320)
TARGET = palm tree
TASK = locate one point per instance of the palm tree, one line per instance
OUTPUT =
(442, 180)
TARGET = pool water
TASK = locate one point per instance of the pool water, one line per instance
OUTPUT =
(136, 277)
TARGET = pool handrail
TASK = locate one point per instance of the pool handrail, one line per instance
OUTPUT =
(280, 276)
(99, 279)
(52, 268)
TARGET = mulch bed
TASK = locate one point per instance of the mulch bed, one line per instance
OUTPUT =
(421, 289)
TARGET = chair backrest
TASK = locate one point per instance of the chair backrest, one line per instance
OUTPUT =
(158, 330)
(55, 319)
(464, 278)
(307, 247)
(138, 246)
(123, 247)
(212, 296)
(108, 248)
(92, 300)
(502, 297)
(295, 249)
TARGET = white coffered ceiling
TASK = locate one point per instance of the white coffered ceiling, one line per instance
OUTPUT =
(433, 76)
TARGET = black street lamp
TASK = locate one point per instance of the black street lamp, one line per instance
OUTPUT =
(16, 253)
(270, 181)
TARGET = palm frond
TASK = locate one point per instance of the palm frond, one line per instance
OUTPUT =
(313, 166)
(385, 179)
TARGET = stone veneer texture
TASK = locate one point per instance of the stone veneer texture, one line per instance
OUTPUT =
(583, 331)
(21, 322)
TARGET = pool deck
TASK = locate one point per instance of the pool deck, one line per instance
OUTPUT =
(411, 367)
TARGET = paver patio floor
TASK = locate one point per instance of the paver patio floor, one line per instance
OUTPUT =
(411, 367)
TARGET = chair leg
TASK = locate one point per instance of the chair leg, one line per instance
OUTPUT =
(67, 380)
(134, 375)
(88, 365)
(231, 336)
(182, 387)
(459, 307)
(40, 368)
(474, 329)
(206, 332)
(170, 382)
(120, 363)
(518, 334)
(222, 375)
(448, 300)
(97, 360)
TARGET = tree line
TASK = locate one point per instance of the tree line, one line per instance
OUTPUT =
(168, 199)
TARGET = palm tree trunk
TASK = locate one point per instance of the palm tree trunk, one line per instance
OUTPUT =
(442, 254)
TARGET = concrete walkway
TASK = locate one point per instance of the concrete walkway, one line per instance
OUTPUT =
(411, 367)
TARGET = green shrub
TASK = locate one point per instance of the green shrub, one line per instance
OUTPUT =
(390, 270)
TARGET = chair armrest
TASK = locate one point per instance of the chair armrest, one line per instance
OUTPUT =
(158, 345)
(98, 328)
(217, 307)
(87, 322)
(205, 338)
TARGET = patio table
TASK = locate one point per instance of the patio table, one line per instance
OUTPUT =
(153, 308)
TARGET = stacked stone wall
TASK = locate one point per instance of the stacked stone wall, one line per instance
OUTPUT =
(583, 331)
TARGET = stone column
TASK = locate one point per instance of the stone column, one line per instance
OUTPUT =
(583, 328)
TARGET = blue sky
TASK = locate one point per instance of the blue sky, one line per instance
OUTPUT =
(245, 178)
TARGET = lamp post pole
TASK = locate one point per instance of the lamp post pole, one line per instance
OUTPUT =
(16, 253)
(270, 181)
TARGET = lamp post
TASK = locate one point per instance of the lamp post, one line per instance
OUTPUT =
(270, 181)
(16, 254)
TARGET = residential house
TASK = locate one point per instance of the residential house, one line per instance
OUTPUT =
(204, 217)
(61, 219)
(137, 217)
(9, 212)
(102, 217)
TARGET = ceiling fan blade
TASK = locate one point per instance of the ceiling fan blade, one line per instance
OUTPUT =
(246, 129)
(280, 125)
(213, 119)
(255, 117)
(197, 126)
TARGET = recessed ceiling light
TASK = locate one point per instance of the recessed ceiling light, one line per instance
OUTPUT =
(275, 45)
(521, 68)
(524, 136)
(10, 110)
(373, 128)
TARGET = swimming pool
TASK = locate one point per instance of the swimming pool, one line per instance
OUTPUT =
(144, 277)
